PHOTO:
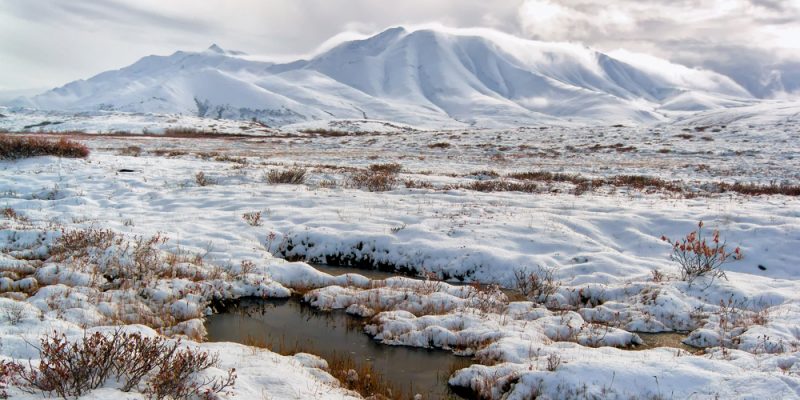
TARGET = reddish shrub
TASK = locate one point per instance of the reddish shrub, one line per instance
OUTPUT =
(24, 147)
(697, 257)
(70, 369)
(10, 373)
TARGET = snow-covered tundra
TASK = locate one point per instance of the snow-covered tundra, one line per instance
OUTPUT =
(148, 232)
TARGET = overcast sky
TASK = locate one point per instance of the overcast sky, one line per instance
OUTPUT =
(45, 43)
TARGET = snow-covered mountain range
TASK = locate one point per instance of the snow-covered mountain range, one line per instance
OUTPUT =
(426, 77)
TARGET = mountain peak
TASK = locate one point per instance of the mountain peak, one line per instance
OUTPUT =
(393, 31)
(214, 48)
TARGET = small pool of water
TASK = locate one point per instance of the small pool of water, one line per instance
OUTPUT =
(291, 324)
(664, 339)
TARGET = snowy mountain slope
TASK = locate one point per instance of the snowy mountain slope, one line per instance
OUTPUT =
(775, 113)
(423, 77)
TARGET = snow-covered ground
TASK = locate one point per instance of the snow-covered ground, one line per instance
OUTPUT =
(601, 244)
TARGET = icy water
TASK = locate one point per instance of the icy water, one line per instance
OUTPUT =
(290, 324)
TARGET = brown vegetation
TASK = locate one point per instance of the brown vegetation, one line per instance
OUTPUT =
(294, 176)
(149, 365)
(376, 178)
(12, 147)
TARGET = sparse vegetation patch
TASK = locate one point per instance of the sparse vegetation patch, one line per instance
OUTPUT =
(294, 176)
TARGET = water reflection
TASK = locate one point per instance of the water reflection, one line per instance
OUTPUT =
(288, 326)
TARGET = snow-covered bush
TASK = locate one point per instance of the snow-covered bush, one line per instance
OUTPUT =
(23, 147)
(696, 257)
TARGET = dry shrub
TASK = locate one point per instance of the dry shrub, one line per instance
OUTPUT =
(231, 159)
(587, 186)
(361, 377)
(488, 173)
(329, 132)
(642, 182)
(14, 312)
(390, 168)
(487, 299)
(146, 259)
(187, 132)
(247, 267)
(9, 213)
(294, 176)
(657, 276)
(12, 214)
(80, 243)
(439, 145)
(696, 257)
(173, 379)
(502, 186)
(252, 218)
(417, 184)
(133, 151)
(376, 178)
(12, 148)
(536, 285)
(736, 317)
(150, 365)
(547, 176)
(756, 190)
(202, 180)
(134, 260)
(553, 362)
(10, 373)
(169, 153)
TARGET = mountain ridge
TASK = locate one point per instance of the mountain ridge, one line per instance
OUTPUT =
(423, 77)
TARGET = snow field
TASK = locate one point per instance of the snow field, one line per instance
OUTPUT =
(601, 246)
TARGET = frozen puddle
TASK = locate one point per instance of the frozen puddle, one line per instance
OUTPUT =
(292, 324)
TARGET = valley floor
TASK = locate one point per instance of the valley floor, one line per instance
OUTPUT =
(469, 206)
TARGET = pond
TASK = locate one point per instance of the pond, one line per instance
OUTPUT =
(288, 326)
(294, 326)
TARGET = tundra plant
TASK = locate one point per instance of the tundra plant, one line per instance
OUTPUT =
(697, 257)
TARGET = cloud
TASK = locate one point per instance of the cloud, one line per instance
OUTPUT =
(755, 41)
